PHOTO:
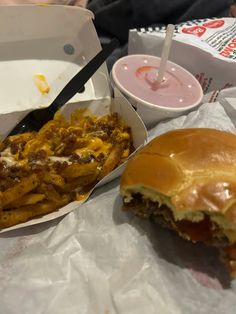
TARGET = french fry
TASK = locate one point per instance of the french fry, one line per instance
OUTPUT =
(28, 199)
(12, 217)
(80, 182)
(34, 145)
(79, 170)
(20, 137)
(53, 178)
(2, 146)
(50, 192)
(51, 125)
(79, 116)
(14, 193)
(112, 161)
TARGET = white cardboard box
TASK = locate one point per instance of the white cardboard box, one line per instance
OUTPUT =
(56, 42)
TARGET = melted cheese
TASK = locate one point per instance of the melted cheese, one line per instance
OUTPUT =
(95, 147)
(6, 152)
(8, 157)
(60, 159)
(10, 161)
(41, 83)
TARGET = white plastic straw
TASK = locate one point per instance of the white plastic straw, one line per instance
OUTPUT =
(165, 52)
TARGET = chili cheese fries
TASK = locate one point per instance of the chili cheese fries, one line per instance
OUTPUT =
(43, 171)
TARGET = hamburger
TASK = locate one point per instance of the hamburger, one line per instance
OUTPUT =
(185, 180)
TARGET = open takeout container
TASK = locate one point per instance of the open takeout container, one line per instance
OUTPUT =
(54, 43)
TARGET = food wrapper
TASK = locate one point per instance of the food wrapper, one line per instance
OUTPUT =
(99, 259)
(39, 59)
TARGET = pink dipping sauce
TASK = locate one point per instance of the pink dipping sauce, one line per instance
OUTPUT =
(136, 75)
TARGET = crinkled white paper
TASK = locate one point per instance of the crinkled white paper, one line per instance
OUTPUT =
(99, 259)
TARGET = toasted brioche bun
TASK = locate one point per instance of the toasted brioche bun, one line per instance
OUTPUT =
(192, 171)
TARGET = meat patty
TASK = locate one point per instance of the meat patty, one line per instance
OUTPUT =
(205, 230)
